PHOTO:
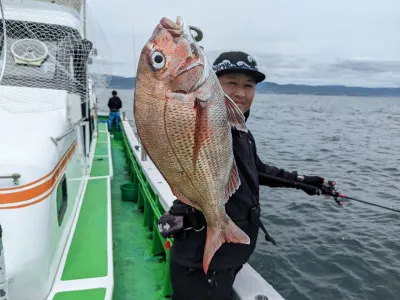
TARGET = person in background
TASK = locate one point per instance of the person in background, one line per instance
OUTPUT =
(114, 104)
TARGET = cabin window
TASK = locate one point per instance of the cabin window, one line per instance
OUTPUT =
(62, 199)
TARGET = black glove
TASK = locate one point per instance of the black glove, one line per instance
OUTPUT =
(170, 225)
(178, 218)
(315, 182)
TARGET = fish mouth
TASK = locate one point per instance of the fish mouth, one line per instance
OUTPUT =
(174, 28)
(203, 77)
(189, 67)
(195, 64)
(197, 59)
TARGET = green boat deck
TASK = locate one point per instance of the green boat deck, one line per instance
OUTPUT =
(140, 265)
(87, 256)
(92, 294)
(138, 274)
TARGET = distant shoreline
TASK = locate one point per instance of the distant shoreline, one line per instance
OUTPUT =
(118, 82)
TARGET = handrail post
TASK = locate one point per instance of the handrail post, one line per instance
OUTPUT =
(3, 276)
(143, 154)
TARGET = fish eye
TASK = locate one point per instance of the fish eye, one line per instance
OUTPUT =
(158, 60)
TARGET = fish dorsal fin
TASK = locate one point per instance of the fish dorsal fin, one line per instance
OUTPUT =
(235, 115)
(233, 182)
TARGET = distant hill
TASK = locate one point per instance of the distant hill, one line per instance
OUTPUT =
(118, 82)
(340, 90)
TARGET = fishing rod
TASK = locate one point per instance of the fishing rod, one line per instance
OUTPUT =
(328, 189)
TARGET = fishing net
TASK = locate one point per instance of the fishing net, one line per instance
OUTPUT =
(101, 64)
(46, 53)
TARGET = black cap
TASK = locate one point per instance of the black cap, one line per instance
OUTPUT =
(237, 62)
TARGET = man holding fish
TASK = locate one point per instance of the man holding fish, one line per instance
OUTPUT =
(191, 119)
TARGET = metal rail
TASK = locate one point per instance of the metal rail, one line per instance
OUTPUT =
(60, 137)
(14, 176)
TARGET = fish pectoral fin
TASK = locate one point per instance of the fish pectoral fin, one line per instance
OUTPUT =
(235, 115)
(202, 128)
(233, 181)
(229, 233)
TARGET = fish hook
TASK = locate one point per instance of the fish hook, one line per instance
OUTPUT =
(199, 33)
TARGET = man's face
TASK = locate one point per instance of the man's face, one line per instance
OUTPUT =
(240, 87)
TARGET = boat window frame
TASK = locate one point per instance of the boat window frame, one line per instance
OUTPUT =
(62, 199)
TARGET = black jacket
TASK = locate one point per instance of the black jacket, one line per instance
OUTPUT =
(114, 103)
(188, 249)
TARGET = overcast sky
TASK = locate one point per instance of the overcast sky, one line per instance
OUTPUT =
(351, 42)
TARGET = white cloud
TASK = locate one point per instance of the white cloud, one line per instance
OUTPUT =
(308, 41)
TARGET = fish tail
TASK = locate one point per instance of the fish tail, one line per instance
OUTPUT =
(229, 233)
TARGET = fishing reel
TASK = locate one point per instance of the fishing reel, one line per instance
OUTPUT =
(328, 189)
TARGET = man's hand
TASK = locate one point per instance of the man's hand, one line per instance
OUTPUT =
(315, 182)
